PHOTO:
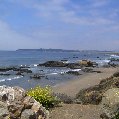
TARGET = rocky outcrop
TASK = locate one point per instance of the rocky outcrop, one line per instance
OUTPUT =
(53, 64)
(86, 63)
(110, 103)
(90, 95)
(61, 64)
(78, 65)
(15, 104)
(93, 95)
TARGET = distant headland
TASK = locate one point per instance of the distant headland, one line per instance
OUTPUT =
(61, 50)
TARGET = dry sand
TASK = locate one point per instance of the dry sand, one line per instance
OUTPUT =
(71, 88)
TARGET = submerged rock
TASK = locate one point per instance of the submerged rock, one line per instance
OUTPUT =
(22, 70)
(87, 70)
(15, 104)
(37, 76)
(73, 73)
(2, 74)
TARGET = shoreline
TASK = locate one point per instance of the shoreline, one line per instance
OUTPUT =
(72, 87)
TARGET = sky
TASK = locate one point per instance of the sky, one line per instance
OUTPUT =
(59, 24)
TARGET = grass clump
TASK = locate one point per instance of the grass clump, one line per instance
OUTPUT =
(43, 96)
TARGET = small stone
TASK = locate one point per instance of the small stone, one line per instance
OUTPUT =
(28, 114)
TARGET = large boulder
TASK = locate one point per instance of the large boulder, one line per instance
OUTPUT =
(110, 103)
(15, 104)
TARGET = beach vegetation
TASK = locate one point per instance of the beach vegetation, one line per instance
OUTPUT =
(64, 98)
(44, 96)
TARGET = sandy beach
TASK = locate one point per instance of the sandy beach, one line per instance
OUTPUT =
(71, 88)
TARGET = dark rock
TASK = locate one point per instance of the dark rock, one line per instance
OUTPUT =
(2, 74)
(5, 69)
(64, 60)
(53, 64)
(73, 73)
(22, 70)
(75, 57)
(37, 76)
(88, 70)
(114, 59)
(68, 65)
(73, 66)
(19, 73)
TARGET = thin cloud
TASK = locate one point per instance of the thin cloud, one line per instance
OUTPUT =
(55, 22)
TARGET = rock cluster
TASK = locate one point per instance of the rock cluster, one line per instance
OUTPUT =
(82, 63)
(15, 104)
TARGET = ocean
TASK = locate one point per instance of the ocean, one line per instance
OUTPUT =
(53, 75)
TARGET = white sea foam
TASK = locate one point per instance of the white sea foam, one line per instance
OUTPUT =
(63, 72)
(76, 70)
(33, 65)
(114, 56)
(9, 79)
(53, 73)
(102, 62)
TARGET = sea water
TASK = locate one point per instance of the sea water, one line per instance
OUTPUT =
(53, 75)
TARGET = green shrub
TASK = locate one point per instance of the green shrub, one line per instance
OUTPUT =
(64, 98)
(44, 96)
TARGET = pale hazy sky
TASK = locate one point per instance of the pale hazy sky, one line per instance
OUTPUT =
(66, 24)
